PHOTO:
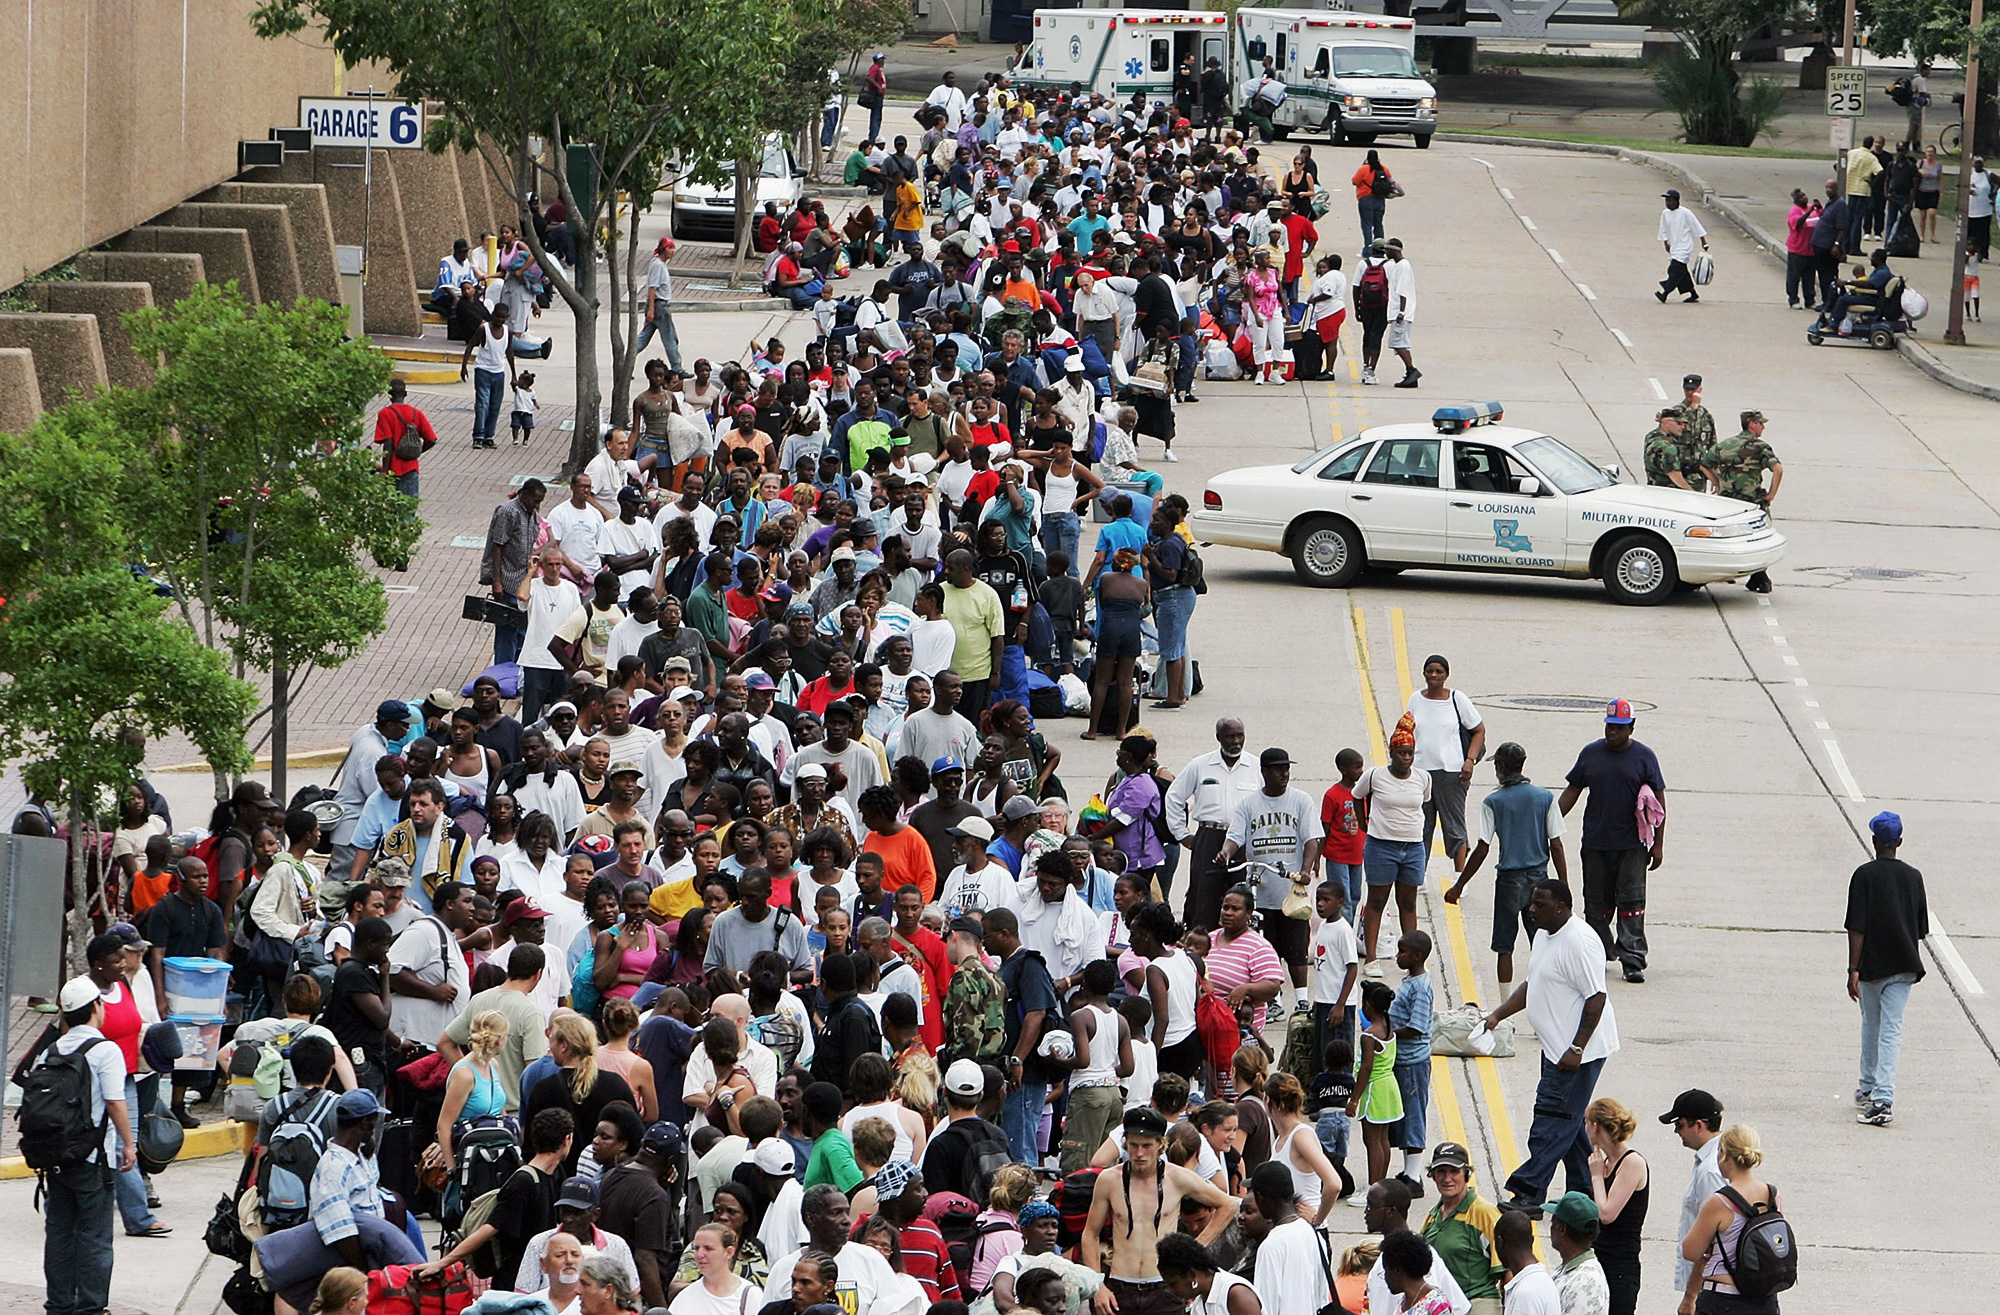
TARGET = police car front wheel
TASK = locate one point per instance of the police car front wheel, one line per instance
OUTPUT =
(1639, 571)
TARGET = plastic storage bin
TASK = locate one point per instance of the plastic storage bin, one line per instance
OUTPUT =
(201, 1042)
(197, 988)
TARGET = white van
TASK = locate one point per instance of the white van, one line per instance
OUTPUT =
(705, 213)
(1351, 76)
(1116, 52)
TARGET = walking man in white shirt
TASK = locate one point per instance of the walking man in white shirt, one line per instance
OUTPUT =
(947, 97)
(1565, 1001)
(1402, 311)
(1200, 805)
(1696, 1118)
(1679, 230)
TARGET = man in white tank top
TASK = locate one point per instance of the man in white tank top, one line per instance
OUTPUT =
(1102, 1056)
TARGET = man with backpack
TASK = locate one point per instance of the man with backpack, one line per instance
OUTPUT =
(1371, 305)
(293, 1133)
(967, 1151)
(76, 1132)
(405, 435)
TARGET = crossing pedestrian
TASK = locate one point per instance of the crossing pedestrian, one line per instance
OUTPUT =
(1620, 773)
(1887, 920)
(1679, 231)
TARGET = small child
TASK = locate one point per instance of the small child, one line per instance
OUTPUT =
(1331, 1087)
(523, 424)
(1137, 1010)
(1062, 595)
(1410, 1015)
(1972, 285)
(1377, 1099)
(1336, 964)
(1344, 819)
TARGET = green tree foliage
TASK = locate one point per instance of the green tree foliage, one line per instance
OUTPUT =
(251, 488)
(639, 83)
(89, 647)
(1701, 83)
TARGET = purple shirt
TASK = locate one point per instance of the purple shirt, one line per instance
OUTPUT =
(1136, 802)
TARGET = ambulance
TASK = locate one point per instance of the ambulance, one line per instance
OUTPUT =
(1350, 76)
(1116, 52)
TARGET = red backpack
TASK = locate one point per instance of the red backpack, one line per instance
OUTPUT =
(1215, 1023)
(1371, 290)
(397, 1290)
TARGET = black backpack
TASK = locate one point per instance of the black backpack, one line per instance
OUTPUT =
(1767, 1253)
(285, 1169)
(1192, 573)
(986, 1154)
(1900, 91)
(56, 1131)
(962, 1231)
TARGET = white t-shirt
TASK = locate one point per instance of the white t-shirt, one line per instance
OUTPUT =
(426, 947)
(1396, 808)
(626, 637)
(703, 517)
(1291, 1271)
(696, 1299)
(992, 887)
(1402, 291)
(1440, 746)
(1566, 968)
(1276, 830)
(617, 539)
(548, 607)
(784, 1228)
(1334, 952)
(1532, 1292)
(865, 1278)
(608, 476)
(1679, 229)
(524, 401)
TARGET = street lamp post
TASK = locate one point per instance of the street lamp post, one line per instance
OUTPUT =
(1954, 332)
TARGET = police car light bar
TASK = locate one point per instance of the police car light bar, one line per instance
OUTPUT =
(1458, 419)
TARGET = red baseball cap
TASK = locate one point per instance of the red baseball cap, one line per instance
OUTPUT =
(1618, 712)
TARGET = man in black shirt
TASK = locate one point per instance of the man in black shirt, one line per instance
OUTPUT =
(1007, 571)
(186, 924)
(809, 655)
(962, 1154)
(526, 1204)
(633, 1202)
(849, 1031)
(1887, 920)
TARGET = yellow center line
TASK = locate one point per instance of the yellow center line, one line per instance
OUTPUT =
(1504, 1145)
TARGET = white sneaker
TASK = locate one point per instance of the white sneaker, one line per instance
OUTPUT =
(1372, 970)
(1367, 375)
(1358, 1198)
(1260, 381)
(1168, 455)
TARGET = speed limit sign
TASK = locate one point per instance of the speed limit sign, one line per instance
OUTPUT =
(1846, 90)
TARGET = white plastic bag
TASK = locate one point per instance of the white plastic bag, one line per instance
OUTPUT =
(1219, 362)
(1461, 1032)
(1076, 694)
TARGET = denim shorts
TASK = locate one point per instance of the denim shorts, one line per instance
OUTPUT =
(1171, 609)
(1388, 862)
(1414, 1080)
(1332, 1131)
(1511, 889)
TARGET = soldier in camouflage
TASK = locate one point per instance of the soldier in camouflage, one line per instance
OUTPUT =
(1737, 466)
(1699, 424)
(974, 1026)
(1669, 460)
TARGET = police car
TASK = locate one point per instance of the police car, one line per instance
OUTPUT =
(1466, 494)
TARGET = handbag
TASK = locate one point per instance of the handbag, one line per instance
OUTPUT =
(1298, 901)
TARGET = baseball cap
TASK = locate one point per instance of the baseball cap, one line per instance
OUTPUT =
(843, 554)
(578, 1194)
(354, 1106)
(1885, 827)
(1750, 417)
(810, 772)
(679, 664)
(1575, 1210)
(78, 993)
(777, 590)
(1670, 413)
(126, 932)
(946, 764)
(1693, 1105)
(1618, 712)
(1688, 380)
(441, 698)
(392, 710)
(1450, 1155)
(976, 827)
(1018, 807)
(631, 493)
(665, 1139)
(522, 910)
(964, 1077)
(1074, 365)
(627, 766)
(774, 1155)
(1672, 193)
(970, 925)
(389, 872)
(758, 680)
(1274, 757)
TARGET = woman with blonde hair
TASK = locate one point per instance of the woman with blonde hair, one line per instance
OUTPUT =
(1621, 1183)
(916, 1086)
(1248, 1073)
(1714, 1239)
(1351, 1283)
(1011, 1188)
(616, 1055)
(1295, 1144)
(721, 1290)
(342, 1291)
(578, 1085)
(473, 1090)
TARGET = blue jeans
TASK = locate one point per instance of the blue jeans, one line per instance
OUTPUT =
(76, 1246)
(1857, 223)
(1347, 876)
(875, 123)
(1171, 609)
(131, 1186)
(1184, 370)
(662, 323)
(829, 125)
(407, 485)
(1414, 1081)
(1373, 209)
(1060, 532)
(1557, 1136)
(1512, 888)
(488, 390)
(1388, 862)
(1022, 1117)
(1882, 1004)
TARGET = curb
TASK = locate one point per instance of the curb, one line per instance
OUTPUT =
(1916, 353)
(316, 758)
(741, 304)
(205, 1142)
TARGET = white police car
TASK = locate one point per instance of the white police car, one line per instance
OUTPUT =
(1465, 494)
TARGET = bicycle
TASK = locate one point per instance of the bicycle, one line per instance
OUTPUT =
(1274, 1009)
(1951, 137)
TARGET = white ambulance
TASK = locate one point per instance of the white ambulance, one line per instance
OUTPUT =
(1350, 76)
(1116, 52)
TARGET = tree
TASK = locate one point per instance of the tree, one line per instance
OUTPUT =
(1930, 29)
(633, 84)
(250, 488)
(90, 647)
(1700, 81)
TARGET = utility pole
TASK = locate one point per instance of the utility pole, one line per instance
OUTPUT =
(1846, 61)
(1954, 332)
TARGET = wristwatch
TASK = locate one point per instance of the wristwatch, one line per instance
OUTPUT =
(1576, 1050)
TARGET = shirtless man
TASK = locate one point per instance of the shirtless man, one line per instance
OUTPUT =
(1136, 1197)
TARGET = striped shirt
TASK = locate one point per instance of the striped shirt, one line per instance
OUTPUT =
(344, 1185)
(1249, 958)
(926, 1260)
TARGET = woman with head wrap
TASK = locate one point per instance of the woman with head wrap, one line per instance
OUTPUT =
(1039, 1222)
(1394, 856)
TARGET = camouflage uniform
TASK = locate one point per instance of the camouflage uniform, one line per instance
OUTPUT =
(974, 1026)
(1663, 455)
(1697, 435)
(1739, 464)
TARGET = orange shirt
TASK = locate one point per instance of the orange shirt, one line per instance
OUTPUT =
(148, 891)
(906, 861)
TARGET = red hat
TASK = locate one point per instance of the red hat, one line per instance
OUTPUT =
(522, 909)
(1011, 247)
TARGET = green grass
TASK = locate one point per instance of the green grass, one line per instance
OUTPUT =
(1643, 144)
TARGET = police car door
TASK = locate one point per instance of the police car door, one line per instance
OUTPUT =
(1491, 525)
(1399, 501)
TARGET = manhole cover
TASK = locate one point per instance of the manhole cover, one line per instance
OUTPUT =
(1882, 573)
(1559, 703)
(1886, 573)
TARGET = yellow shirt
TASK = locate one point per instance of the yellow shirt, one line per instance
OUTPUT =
(1861, 166)
(673, 899)
(975, 614)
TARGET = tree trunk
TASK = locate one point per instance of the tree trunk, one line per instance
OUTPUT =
(746, 206)
(584, 443)
(79, 887)
(281, 715)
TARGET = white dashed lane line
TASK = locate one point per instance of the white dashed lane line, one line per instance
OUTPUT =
(1528, 223)
(1554, 255)
(1660, 394)
(1619, 334)
(1588, 295)
(1504, 192)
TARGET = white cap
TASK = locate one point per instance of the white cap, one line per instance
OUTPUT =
(808, 771)
(965, 1078)
(774, 1155)
(78, 993)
